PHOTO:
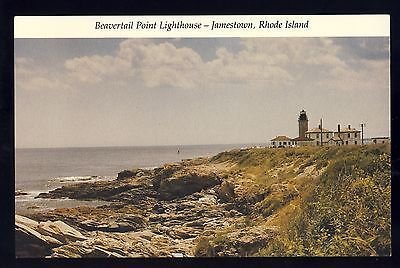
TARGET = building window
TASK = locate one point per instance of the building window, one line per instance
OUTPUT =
(355, 142)
(327, 135)
(317, 135)
(317, 141)
(347, 142)
(280, 143)
(348, 135)
(355, 134)
(284, 143)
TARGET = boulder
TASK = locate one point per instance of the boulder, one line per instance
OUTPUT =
(226, 192)
(164, 172)
(131, 173)
(185, 184)
(37, 239)
(29, 242)
(133, 244)
(87, 249)
(60, 231)
(21, 220)
(243, 242)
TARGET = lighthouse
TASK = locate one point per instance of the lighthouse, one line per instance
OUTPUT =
(303, 124)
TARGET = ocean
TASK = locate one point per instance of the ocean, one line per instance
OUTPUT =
(42, 170)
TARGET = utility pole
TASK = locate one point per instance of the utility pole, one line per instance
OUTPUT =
(362, 133)
(320, 124)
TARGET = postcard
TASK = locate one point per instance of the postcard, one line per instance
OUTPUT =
(202, 136)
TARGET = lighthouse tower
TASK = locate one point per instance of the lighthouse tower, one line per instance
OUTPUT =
(303, 124)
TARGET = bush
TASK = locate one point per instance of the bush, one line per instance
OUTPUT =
(348, 212)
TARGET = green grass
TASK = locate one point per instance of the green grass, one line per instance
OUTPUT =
(348, 212)
(343, 212)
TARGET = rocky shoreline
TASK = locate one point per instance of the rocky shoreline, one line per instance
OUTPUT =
(165, 211)
(247, 202)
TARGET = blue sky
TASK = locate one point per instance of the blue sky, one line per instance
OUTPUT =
(108, 92)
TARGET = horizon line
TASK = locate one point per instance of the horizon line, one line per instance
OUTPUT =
(160, 145)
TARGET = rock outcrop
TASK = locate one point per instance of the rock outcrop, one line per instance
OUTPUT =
(186, 182)
(243, 242)
(133, 173)
(166, 183)
(191, 208)
(87, 191)
(235, 204)
(19, 192)
(35, 239)
(226, 192)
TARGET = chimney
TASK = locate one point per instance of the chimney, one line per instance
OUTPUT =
(338, 128)
(349, 126)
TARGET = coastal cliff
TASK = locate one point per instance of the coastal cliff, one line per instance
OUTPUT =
(306, 201)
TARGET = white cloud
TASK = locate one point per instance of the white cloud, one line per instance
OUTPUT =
(30, 76)
(24, 67)
(246, 66)
(164, 64)
(372, 75)
(262, 63)
(96, 68)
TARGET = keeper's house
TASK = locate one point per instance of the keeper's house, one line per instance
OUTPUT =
(346, 136)
(282, 141)
(319, 136)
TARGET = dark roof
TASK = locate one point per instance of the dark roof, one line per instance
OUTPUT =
(317, 130)
(281, 138)
(302, 139)
(335, 139)
(380, 138)
(349, 130)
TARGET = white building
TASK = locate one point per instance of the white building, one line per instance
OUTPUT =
(378, 140)
(346, 136)
(318, 135)
(303, 141)
(281, 141)
(321, 136)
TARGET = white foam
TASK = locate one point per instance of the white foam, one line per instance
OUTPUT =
(150, 168)
(73, 179)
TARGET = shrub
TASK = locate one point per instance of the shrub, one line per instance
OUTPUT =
(348, 212)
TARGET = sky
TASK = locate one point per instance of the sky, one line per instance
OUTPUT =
(132, 92)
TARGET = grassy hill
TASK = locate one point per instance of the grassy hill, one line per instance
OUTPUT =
(325, 201)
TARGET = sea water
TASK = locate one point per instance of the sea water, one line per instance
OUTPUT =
(42, 170)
